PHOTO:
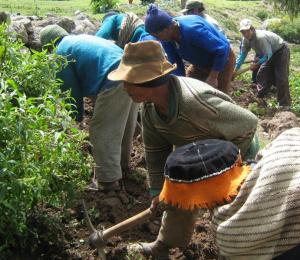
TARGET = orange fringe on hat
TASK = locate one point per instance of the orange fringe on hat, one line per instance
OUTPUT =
(207, 193)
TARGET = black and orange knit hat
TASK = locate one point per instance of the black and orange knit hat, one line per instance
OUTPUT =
(203, 174)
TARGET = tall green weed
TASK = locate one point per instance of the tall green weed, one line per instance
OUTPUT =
(294, 81)
(41, 160)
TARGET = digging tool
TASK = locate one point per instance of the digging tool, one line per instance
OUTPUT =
(248, 61)
(98, 238)
(240, 71)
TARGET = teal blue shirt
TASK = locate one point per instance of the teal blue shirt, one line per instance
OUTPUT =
(111, 27)
(90, 60)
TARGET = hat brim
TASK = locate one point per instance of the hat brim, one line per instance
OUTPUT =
(245, 28)
(184, 10)
(141, 73)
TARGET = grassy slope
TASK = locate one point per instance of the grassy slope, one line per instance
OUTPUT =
(228, 13)
(37, 7)
(29, 7)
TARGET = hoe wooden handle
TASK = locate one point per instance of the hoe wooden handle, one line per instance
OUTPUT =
(240, 71)
(127, 224)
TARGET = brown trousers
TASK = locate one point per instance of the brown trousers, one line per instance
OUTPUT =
(177, 226)
(224, 77)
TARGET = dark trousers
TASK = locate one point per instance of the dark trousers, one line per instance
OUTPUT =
(276, 72)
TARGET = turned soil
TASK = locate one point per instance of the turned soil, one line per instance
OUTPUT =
(66, 239)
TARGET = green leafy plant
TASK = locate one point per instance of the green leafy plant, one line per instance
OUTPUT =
(287, 29)
(295, 90)
(41, 160)
(292, 7)
(295, 56)
(262, 15)
(255, 109)
(101, 6)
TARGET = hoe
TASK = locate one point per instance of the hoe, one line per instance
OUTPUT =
(98, 238)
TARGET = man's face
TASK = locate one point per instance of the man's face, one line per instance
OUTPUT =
(248, 34)
(195, 11)
(165, 34)
(138, 94)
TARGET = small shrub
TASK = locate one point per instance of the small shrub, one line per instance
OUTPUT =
(262, 15)
(41, 161)
(101, 6)
(287, 29)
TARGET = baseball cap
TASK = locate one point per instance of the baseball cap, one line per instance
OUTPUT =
(245, 24)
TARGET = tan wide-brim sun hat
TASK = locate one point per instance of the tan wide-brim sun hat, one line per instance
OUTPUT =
(142, 62)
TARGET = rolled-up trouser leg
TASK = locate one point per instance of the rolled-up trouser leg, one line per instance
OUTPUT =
(177, 227)
(128, 135)
(107, 129)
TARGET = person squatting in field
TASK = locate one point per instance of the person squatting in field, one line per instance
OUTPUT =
(112, 126)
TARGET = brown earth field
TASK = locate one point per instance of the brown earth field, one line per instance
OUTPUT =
(66, 238)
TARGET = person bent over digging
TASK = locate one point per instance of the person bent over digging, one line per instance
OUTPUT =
(255, 208)
(196, 7)
(122, 28)
(193, 39)
(114, 118)
(177, 111)
(273, 62)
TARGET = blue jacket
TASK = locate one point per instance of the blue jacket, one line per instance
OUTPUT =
(90, 60)
(201, 44)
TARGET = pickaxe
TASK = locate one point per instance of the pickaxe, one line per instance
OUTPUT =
(98, 238)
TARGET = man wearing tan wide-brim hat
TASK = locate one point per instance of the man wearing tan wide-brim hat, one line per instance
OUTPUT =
(142, 63)
(177, 111)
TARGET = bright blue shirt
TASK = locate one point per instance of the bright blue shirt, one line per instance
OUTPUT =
(200, 44)
(90, 60)
(111, 26)
(173, 58)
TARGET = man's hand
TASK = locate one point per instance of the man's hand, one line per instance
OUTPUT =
(154, 203)
(254, 66)
(212, 78)
(212, 81)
